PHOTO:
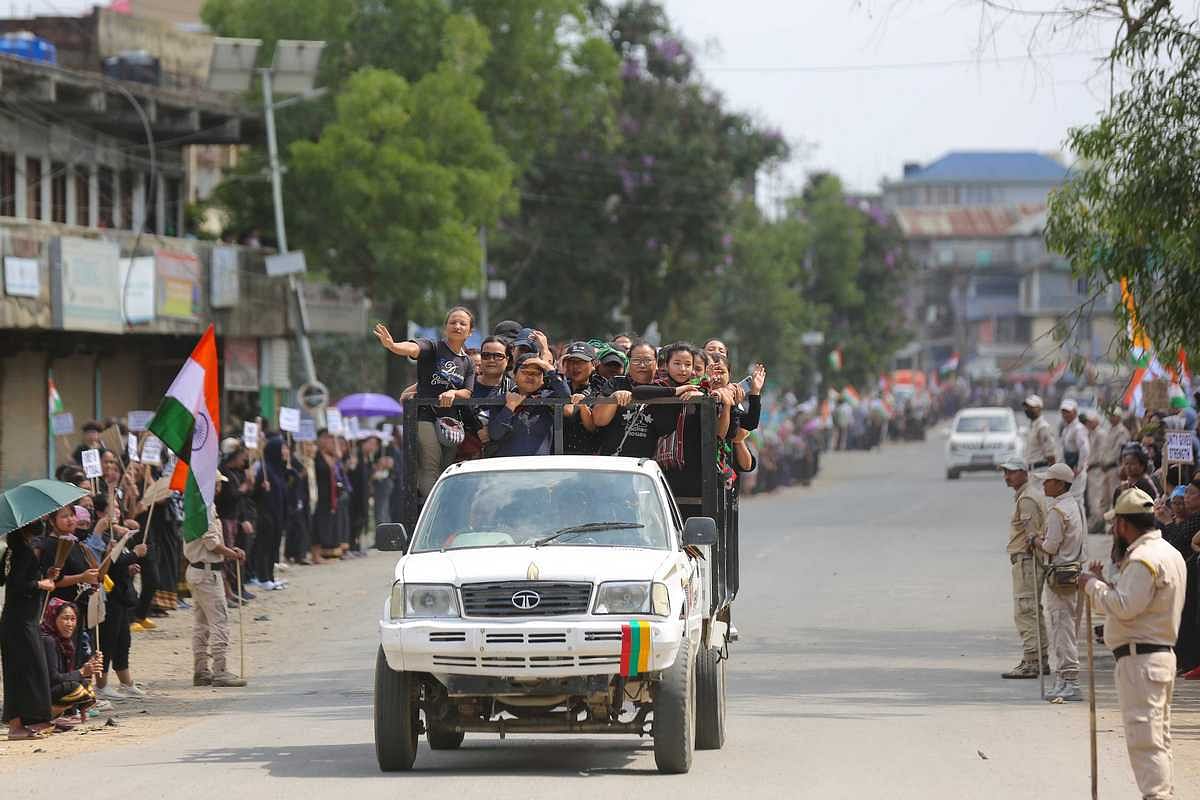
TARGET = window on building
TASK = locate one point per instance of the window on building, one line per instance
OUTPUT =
(150, 201)
(126, 195)
(8, 185)
(105, 212)
(83, 196)
(33, 187)
(58, 192)
(172, 198)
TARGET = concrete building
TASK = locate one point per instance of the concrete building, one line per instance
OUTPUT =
(102, 295)
(988, 288)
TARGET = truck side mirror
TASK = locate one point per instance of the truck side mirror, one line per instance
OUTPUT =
(391, 536)
(700, 531)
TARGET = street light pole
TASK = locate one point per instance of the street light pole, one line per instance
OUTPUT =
(310, 369)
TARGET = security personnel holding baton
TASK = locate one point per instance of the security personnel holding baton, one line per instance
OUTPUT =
(1143, 610)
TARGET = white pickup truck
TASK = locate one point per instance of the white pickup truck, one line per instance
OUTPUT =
(551, 594)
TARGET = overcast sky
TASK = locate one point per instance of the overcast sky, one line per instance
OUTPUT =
(837, 77)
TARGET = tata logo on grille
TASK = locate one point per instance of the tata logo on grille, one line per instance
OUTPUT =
(526, 600)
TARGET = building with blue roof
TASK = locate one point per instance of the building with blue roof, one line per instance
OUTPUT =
(977, 178)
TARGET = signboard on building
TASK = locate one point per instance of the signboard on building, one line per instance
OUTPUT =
(178, 276)
(224, 276)
(85, 285)
(137, 289)
(286, 263)
(241, 365)
(21, 277)
(336, 309)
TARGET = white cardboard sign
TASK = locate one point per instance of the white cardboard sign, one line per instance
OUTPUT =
(63, 424)
(1179, 447)
(91, 463)
(333, 421)
(132, 448)
(289, 419)
(352, 429)
(152, 450)
(307, 432)
(140, 420)
(250, 435)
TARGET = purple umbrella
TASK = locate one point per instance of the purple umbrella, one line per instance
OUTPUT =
(368, 405)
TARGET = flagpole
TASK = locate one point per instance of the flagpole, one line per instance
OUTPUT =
(241, 617)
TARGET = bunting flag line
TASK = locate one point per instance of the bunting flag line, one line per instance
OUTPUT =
(186, 421)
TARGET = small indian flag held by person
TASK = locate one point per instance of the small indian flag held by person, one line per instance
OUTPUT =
(186, 422)
(635, 648)
(835, 359)
(55, 404)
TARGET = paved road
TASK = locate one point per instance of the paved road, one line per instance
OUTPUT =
(875, 620)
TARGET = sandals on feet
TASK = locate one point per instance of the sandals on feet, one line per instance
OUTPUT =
(29, 733)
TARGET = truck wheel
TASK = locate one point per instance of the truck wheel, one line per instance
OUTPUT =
(952, 474)
(675, 714)
(395, 717)
(710, 700)
(441, 737)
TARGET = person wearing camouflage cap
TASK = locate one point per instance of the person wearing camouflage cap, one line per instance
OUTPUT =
(1142, 612)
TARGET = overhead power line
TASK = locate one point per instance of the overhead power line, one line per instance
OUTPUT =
(953, 62)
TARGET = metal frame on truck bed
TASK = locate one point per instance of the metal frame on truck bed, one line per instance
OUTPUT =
(716, 501)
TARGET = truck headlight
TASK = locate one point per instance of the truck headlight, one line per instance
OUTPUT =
(632, 597)
(423, 601)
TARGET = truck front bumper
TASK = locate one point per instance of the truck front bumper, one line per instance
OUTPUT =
(562, 647)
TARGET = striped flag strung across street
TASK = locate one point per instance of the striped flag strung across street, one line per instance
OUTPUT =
(186, 421)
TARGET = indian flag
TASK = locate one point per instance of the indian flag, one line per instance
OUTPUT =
(186, 422)
(56, 406)
(635, 648)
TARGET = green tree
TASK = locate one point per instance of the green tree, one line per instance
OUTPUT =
(392, 194)
(1129, 209)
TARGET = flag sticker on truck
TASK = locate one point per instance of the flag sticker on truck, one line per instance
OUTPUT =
(635, 648)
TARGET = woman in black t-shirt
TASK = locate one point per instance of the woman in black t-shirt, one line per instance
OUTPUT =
(445, 372)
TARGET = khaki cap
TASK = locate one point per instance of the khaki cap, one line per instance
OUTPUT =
(1033, 401)
(1131, 501)
(1056, 472)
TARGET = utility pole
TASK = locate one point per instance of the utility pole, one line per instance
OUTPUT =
(310, 369)
(484, 323)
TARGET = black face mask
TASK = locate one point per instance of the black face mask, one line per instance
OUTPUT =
(1031, 414)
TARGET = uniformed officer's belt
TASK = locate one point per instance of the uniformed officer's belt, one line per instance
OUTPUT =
(204, 565)
(1015, 557)
(1136, 649)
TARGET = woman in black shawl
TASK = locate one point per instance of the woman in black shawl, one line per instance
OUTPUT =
(26, 681)
(271, 501)
(70, 691)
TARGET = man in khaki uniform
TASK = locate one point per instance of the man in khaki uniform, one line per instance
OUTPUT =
(210, 617)
(1110, 456)
(1041, 445)
(1026, 522)
(1143, 610)
(1063, 543)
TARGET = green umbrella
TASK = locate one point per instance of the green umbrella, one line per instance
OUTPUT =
(31, 501)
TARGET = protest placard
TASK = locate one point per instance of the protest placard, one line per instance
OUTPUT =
(1179, 447)
(152, 450)
(250, 435)
(132, 448)
(63, 424)
(333, 421)
(91, 463)
(139, 420)
(289, 419)
(308, 431)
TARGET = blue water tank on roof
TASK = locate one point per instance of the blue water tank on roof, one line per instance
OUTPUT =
(25, 45)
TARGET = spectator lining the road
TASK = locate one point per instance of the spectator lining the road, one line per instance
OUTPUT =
(27, 709)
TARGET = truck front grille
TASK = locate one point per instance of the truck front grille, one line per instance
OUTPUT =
(553, 598)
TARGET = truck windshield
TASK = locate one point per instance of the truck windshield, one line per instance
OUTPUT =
(517, 508)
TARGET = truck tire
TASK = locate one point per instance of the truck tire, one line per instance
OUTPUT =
(675, 714)
(395, 717)
(441, 737)
(710, 700)
(952, 474)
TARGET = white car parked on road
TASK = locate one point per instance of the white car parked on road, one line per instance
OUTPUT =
(982, 439)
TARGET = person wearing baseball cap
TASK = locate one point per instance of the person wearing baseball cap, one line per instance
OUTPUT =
(579, 366)
(611, 362)
(1142, 617)
(508, 330)
(1075, 446)
(1041, 449)
(520, 430)
(1026, 523)
(1063, 543)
